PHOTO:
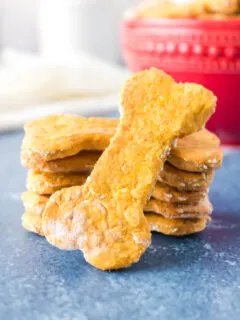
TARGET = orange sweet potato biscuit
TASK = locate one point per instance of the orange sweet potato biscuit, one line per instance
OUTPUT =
(57, 137)
(104, 218)
(83, 161)
(175, 227)
(185, 181)
(34, 202)
(226, 7)
(167, 9)
(166, 193)
(47, 183)
(178, 211)
(157, 223)
(197, 152)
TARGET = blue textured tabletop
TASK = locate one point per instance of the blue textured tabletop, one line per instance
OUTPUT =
(197, 277)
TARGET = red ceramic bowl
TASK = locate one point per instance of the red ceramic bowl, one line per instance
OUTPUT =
(201, 51)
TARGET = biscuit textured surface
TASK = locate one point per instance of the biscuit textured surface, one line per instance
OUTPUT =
(48, 183)
(197, 152)
(185, 181)
(83, 161)
(175, 227)
(32, 223)
(61, 136)
(178, 211)
(166, 193)
(34, 202)
(104, 218)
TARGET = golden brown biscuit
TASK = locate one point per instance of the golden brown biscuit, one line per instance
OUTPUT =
(48, 183)
(104, 218)
(83, 161)
(178, 211)
(157, 223)
(167, 9)
(33, 223)
(197, 152)
(165, 193)
(185, 181)
(226, 7)
(175, 227)
(57, 137)
(34, 203)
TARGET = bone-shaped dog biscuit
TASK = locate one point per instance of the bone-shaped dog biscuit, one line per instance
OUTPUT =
(198, 152)
(185, 181)
(47, 183)
(104, 218)
(57, 137)
(176, 211)
(175, 227)
(83, 161)
(165, 193)
(201, 151)
(32, 222)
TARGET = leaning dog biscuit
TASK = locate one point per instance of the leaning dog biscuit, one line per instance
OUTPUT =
(57, 137)
(175, 227)
(104, 218)
(178, 211)
(165, 193)
(185, 181)
(197, 152)
(83, 161)
(48, 183)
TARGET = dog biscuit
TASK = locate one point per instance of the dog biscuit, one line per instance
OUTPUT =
(156, 222)
(32, 223)
(48, 183)
(104, 218)
(197, 152)
(175, 227)
(61, 136)
(83, 161)
(178, 211)
(185, 181)
(34, 202)
(165, 193)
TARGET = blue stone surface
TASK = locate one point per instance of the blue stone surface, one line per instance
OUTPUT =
(192, 278)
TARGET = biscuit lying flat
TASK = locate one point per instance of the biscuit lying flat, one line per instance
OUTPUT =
(157, 223)
(32, 223)
(83, 161)
(34, 202)
(47, 183)
(178, 211)
(185, 181)
(175, 227)
(197, 152)
(57, 137)
(222, 6)
(165, 193)
(104, 218)
(167, 9)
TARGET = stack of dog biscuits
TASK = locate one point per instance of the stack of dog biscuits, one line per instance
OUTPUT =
(61, 151)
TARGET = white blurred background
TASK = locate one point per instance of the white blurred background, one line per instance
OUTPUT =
(60, 56)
